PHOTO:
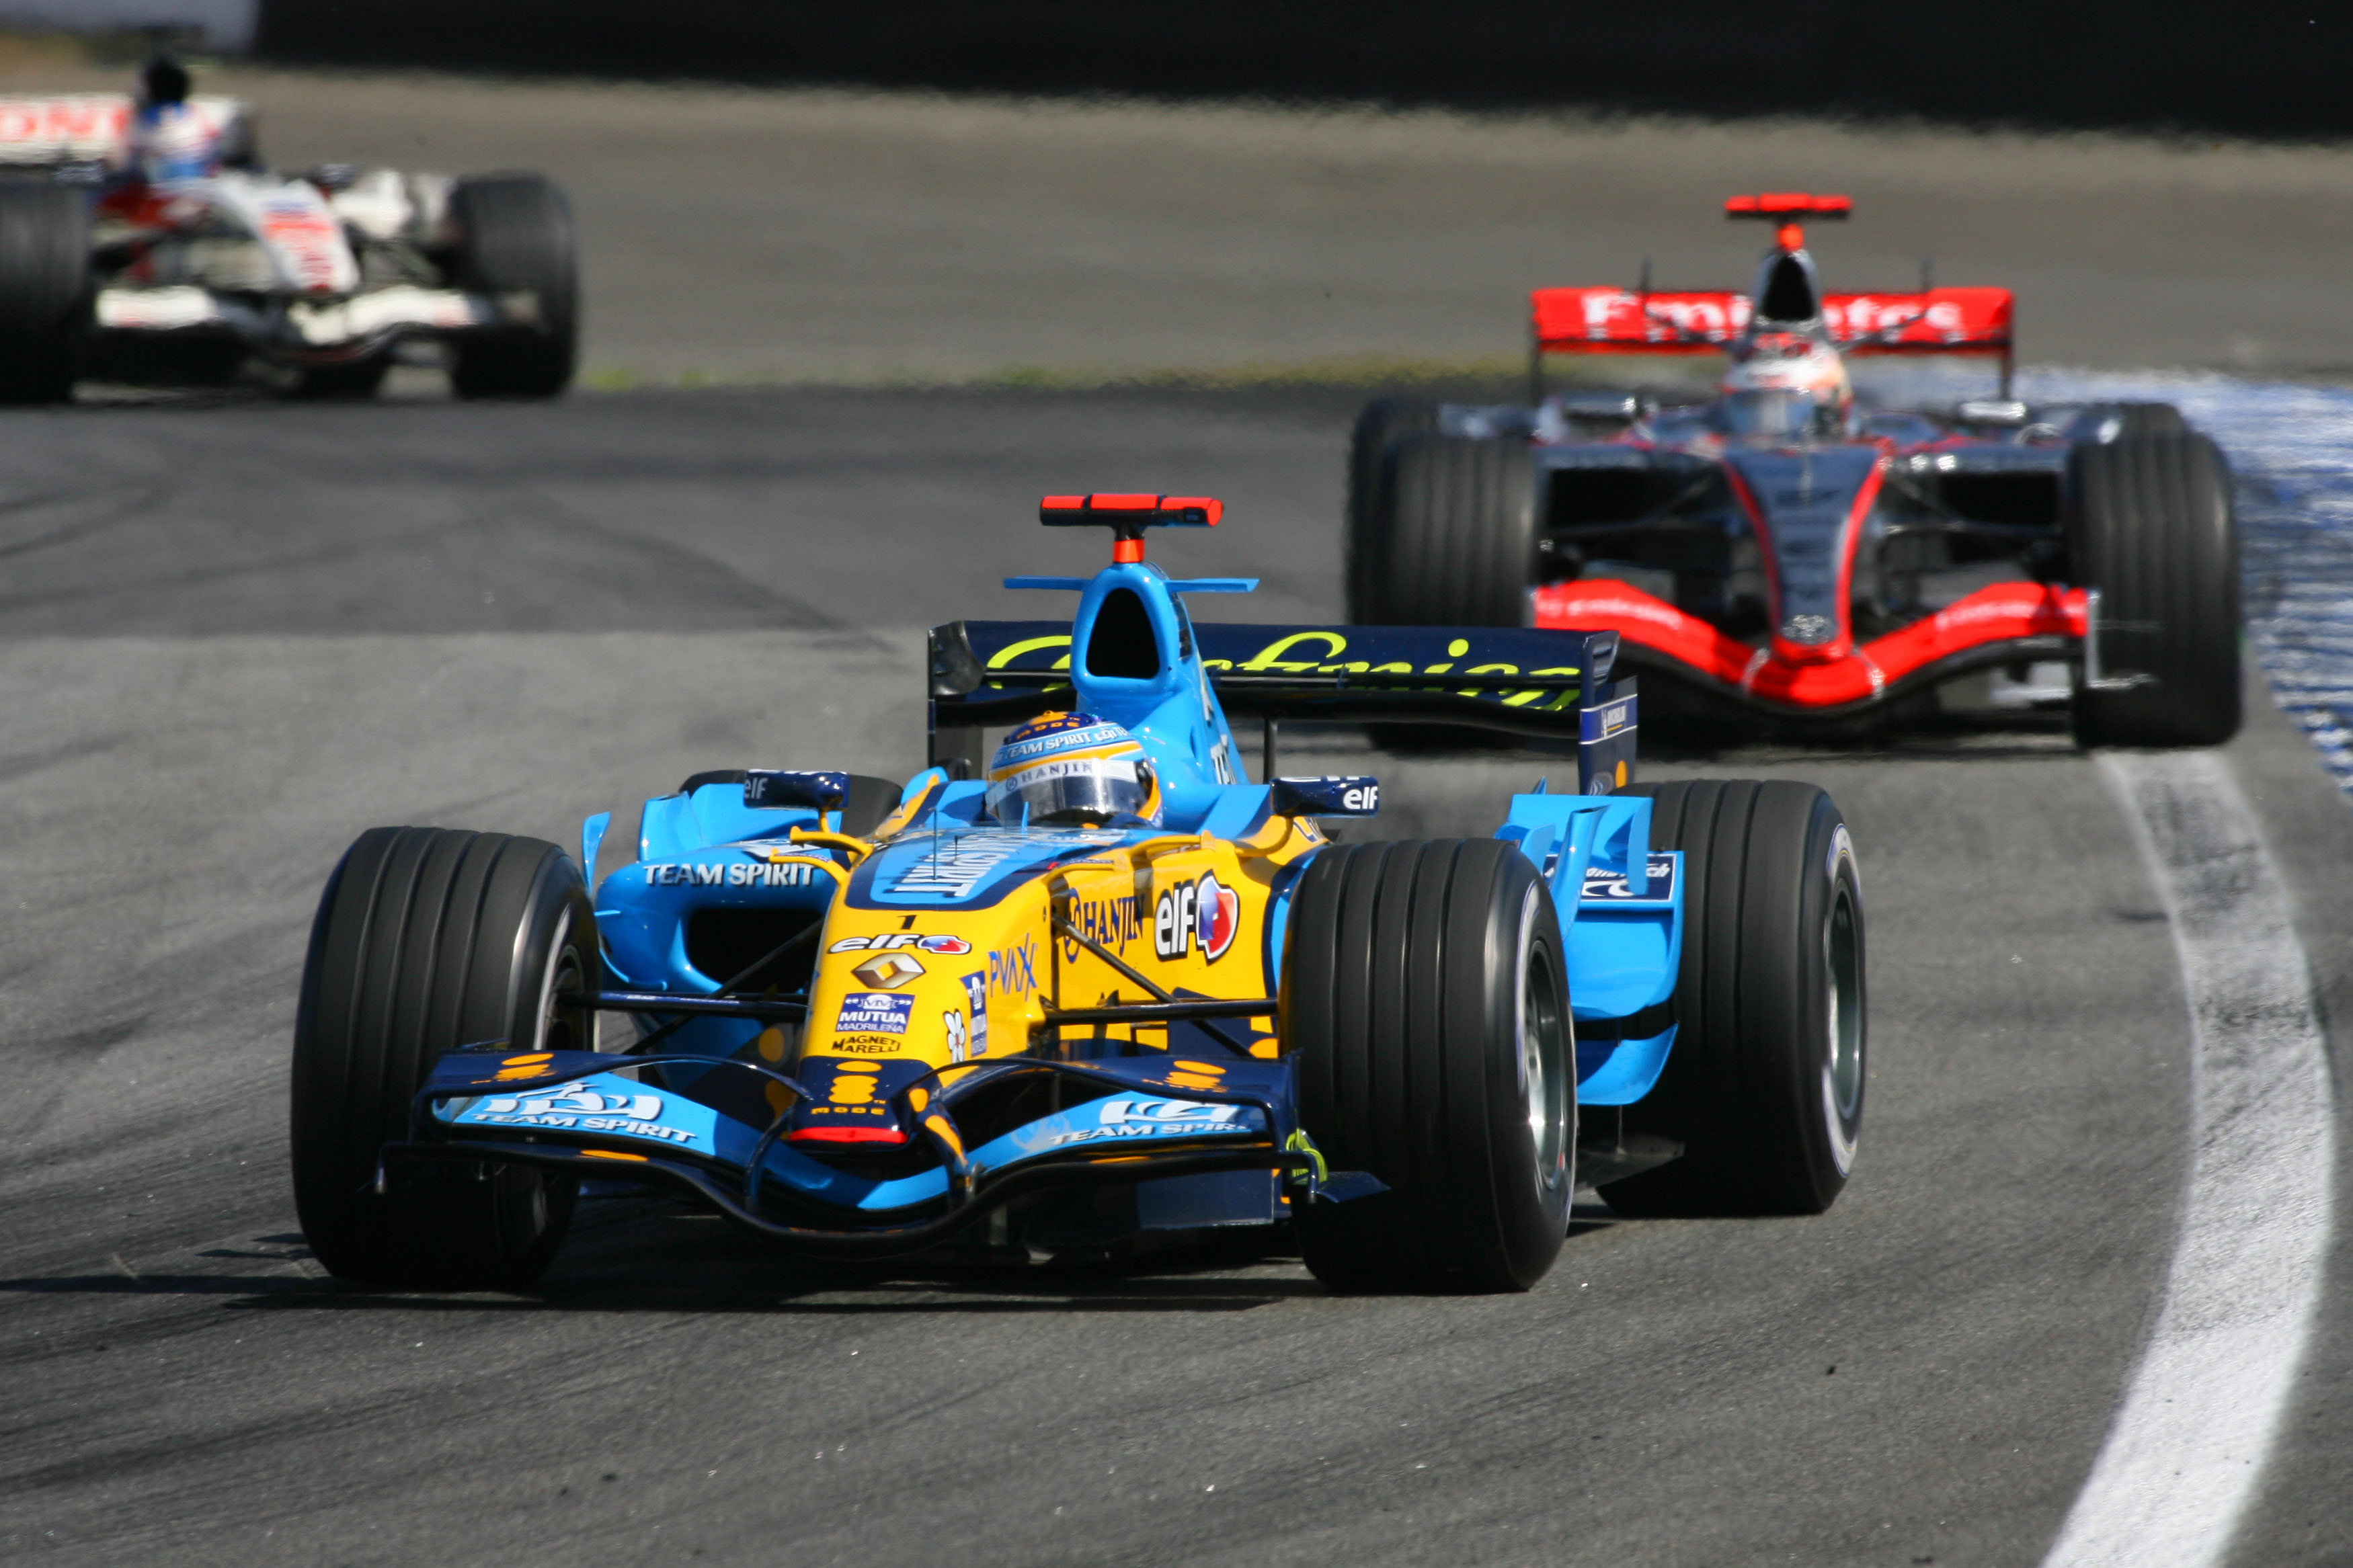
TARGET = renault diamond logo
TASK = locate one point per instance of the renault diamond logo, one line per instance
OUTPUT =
(888, 971)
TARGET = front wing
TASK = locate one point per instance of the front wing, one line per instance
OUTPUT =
(2005, 623)
(597, 1116)
(302, 331)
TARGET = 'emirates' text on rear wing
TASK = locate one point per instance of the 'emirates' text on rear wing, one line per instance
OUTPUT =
(1622, 321)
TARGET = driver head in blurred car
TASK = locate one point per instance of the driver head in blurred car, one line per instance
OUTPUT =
(1073, 770)
(1785, 383)
(170, 140)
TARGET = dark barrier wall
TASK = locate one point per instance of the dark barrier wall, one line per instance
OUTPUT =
(2261, 67)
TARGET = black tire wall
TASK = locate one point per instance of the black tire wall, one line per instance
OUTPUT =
(1452, 542)
(2151, 419)
(1745, 1083)
(2149, 523)
(45, 288)
(515, 231)
(1400, 999)
(428, 938)
(2265, 67)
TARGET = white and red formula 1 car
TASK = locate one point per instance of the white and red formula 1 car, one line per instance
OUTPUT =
(142, 241)
(1785, 549)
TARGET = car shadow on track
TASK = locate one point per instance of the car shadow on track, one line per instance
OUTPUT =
(645, 1256)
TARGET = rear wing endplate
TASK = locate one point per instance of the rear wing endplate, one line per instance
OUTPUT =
(1543, 683)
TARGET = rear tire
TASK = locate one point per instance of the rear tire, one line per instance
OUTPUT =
(428, 938)
(45, 289)
(1379, 425)
(1764, 1083)
(2151, 525)
(1454, 541)
(2151, 419)
(515, 233)
(1426, 1000)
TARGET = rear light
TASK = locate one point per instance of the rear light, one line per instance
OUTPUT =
(847, 1135)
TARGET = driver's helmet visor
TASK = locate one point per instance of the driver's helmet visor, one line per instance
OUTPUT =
(1097, 791)
(1777, 412)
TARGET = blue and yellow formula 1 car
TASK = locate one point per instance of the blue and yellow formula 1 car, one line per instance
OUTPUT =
(1099, 985)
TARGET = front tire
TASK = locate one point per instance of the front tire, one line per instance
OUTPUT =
(1764, 1083)
(428, 938)
(45, 289)
(1454, 541)
(515, 234)
(2151, 525)
(1425, 1001)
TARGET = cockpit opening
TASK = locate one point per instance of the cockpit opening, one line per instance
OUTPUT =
(1121, 644)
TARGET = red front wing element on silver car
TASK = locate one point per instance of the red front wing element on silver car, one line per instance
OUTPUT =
(2020, 620)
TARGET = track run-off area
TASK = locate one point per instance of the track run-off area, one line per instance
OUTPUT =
(2088, 1298)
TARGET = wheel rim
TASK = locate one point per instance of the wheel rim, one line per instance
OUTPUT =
(1548, 1075)
(557, 1028)
(1843, 1045)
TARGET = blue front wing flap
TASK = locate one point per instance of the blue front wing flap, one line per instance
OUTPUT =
(581, 1099)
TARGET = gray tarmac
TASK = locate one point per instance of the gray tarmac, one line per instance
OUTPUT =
(233, 633)
(841, 236)
(234, 636)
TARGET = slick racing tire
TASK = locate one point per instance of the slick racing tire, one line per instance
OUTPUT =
(515, 233)
(2150, 419)
(2149, 524)
(1764, 1081)
(1379, 425)
(1453, 539)
(1426, 1003)
(45, 289)
(428, 938)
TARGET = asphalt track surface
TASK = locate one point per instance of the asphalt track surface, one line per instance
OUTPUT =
(233, 633)
(226, 655)
(840, 237)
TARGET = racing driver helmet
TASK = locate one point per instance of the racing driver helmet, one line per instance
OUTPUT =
(1073, 770)
(1785, 383)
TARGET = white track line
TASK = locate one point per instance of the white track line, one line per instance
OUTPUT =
(2182, 1461)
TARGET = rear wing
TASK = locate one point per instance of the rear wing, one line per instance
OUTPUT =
(1623, 320)
(1543, 683)
(95, 128)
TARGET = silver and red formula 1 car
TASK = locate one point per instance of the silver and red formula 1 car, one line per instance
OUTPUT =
(142, 241)
(1785, 548)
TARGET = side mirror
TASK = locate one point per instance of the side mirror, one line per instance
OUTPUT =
(1342, 795)
(769, 790)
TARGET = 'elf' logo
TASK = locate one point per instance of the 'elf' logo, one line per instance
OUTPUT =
(1204, 913)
